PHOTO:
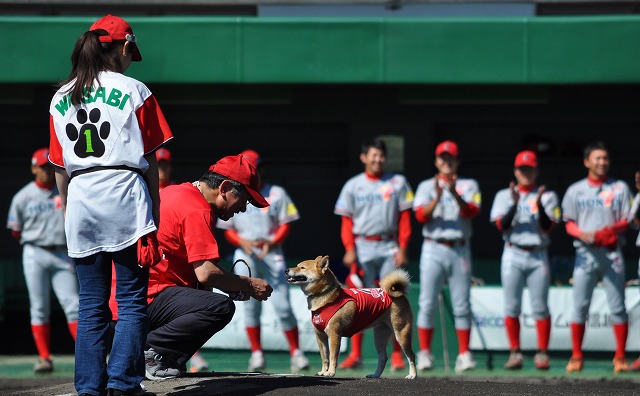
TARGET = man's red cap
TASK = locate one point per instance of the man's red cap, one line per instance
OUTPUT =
(238, 168)
(447, 147)
(526, 158)
(252, 156)
(118, 30)
(163, 154)
(40, 157)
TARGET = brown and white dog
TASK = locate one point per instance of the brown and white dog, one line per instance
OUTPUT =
(338, 312)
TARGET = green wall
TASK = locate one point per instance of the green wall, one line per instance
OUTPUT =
(538, 50)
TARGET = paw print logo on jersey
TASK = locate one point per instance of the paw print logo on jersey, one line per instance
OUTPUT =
(89, 141)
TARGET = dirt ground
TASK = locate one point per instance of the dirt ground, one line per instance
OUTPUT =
(202, 384)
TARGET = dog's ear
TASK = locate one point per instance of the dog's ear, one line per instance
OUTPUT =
(323, 263)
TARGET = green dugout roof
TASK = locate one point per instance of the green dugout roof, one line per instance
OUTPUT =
(536, 50)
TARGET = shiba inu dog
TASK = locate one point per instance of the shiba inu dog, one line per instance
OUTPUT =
(338, 312)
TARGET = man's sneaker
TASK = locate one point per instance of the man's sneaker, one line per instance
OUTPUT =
(299, 362)
(575, 365)
(43, 366)
(425, 360)
(351, 362)
(635, 366)
(197, 364)
(515, 361)
(256, 361)
(158, 367)
(465, 362)
(541, 361)
(620, 365)
(397, 361)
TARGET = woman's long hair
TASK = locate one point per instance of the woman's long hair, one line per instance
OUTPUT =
(88, 59)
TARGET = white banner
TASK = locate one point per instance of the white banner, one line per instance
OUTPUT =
(487, 306)
(234, 335)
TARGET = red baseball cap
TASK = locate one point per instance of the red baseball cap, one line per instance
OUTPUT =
(117, 30)
(238, 168)
(447, 147)
(40, 157)
(526, 158)
(252, 156)
(163, 154)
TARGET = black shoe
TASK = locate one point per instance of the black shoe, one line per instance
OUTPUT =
(118, 392)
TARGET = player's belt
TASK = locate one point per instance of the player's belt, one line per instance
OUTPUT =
(52, 248)
(527, 248)
(448, 242)
(99, 168)
(387, 237)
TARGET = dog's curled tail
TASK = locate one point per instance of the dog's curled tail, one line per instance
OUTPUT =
(396, 283)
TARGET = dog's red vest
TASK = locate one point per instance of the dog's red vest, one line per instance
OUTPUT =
(370, 304)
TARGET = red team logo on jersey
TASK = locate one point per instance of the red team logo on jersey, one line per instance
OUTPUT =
(57, 202)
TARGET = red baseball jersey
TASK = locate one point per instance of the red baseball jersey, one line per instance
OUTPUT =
(370, 304)
(185, 236)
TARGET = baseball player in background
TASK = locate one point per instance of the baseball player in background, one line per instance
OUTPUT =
(258, 234)
(634, 220)
(525, 214)
(36, 219)
(445, 204)
(596, 211)
(376, 228)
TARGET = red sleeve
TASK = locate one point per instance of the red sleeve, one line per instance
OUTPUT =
(498, 224)
(573, 229)
(620, 227)
(233, 237)
(470, 211)
(404, 229)
(346, 233)
(55, 149)
(281, 233)
(16, 234)
(420, 216)
(154, 127)
(198, 236)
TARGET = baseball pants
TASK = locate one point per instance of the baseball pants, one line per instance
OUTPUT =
(531, 268)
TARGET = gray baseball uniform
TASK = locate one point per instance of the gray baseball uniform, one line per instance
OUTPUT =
(36, 213)
(261, 224)
(524, 258)
(446, 254)
(374, 205)
(632, 215)
(593, 207)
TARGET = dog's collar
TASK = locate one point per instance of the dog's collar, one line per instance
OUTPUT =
(325, 291)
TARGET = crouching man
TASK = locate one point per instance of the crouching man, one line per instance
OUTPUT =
(183, 311)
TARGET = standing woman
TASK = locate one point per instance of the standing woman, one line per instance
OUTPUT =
(105, 128)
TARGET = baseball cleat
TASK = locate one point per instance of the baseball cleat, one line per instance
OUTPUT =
(465, 362)
(425, 360)
(620, 365)
(299, 362)
(397, 361)
(197, 364)
(515, 361)
(257, 361)
(351, 362)
(43, 366)
(575, 365)
(541, 361)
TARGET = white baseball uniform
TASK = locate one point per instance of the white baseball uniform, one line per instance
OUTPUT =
(446, 253)
(36, 213)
